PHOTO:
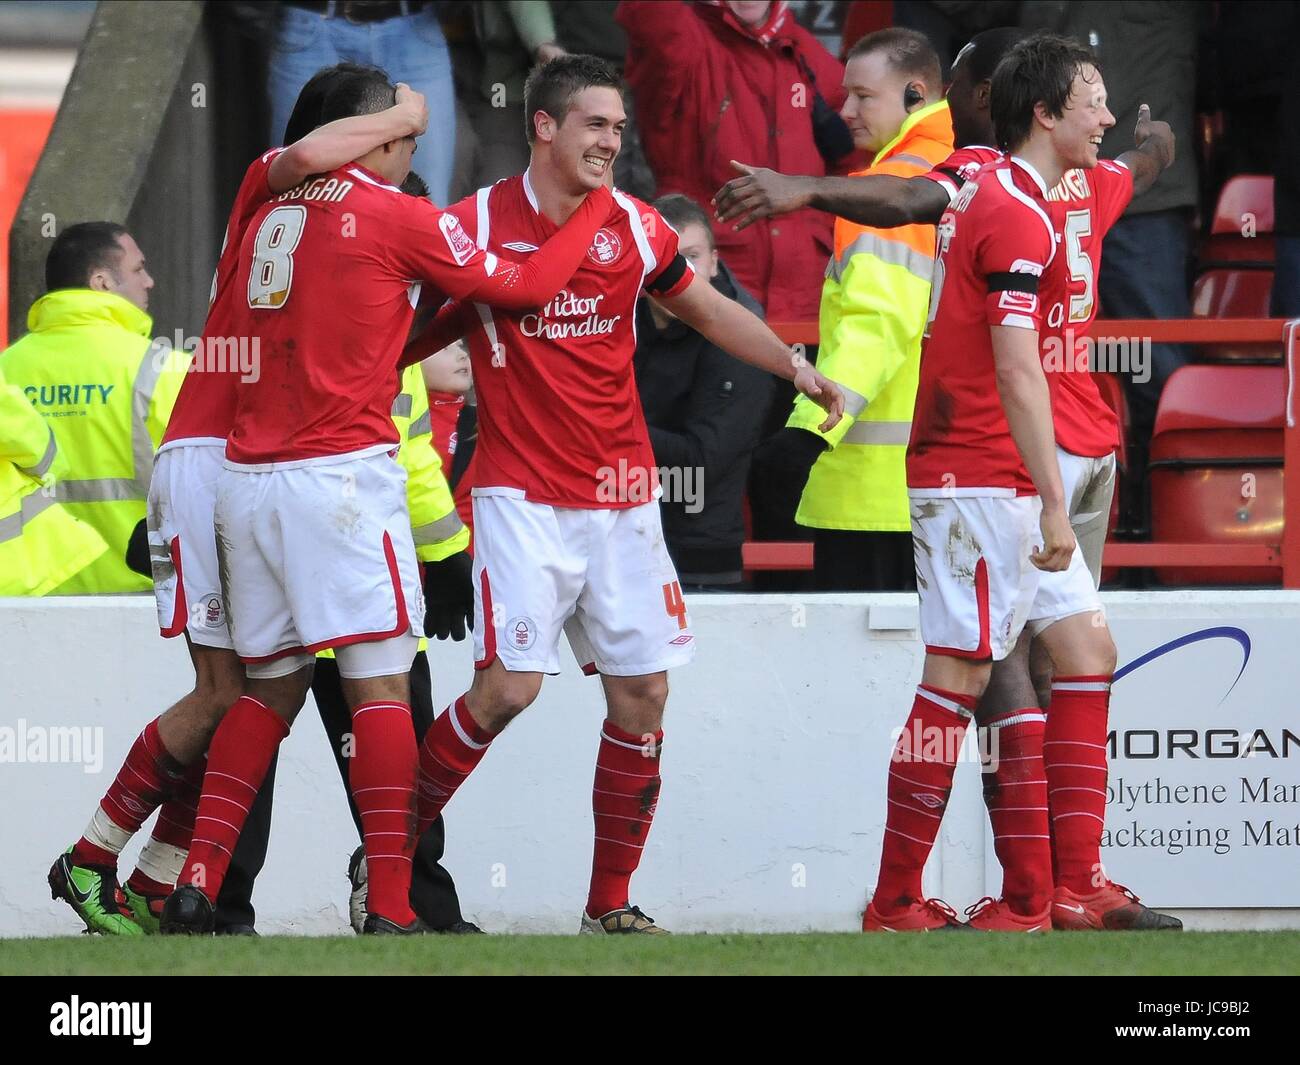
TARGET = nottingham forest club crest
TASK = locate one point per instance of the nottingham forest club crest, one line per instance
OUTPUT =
(605, 248)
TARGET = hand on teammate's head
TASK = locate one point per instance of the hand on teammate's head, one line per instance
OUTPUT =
(414, 105)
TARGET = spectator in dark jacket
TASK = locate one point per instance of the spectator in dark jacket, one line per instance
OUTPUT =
(704, 410)
(738, 81)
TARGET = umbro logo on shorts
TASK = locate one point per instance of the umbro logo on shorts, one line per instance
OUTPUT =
(685, 639)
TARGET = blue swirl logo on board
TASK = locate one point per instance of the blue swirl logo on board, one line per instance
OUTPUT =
(1220, 632)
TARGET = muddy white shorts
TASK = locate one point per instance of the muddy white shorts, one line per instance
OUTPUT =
(1089, 484)
(183, 544)
(603, 577)
(317, 556)
(977, 587)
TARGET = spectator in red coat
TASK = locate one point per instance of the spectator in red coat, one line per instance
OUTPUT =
(742, 81)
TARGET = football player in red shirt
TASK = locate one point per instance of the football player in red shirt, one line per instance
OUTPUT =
(986, 491)
(1082, 207)
(165, 765)
(311, 520)
(567, 536)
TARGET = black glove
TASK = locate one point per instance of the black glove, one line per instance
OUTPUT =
(780, 471)
(449, 596)
(137, 551)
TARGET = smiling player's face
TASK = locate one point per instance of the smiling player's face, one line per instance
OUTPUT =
(1078, 132)
(587, 142)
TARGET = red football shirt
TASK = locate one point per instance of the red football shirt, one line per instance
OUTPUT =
(327, 282)
(205, 405)
(559, 417)
(995, 242)
(1083, 206)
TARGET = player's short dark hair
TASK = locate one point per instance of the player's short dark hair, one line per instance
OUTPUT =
(79, 251)
(680, 211)
(552, 86)
(310, 105)
(357, 90)
(986, 50)
(908, 52)
(414, 185)
(1039, 69)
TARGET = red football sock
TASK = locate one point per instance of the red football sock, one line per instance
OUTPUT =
(1015, 792)
(623, 800)
(452, 747)
(1074, 755)
(162, 856)
(141, 785)
(920, 778)
(238, 758)
(382, 777)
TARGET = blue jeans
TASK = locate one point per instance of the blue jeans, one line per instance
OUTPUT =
(410, 48)
(1286, 279)
(1144, 275)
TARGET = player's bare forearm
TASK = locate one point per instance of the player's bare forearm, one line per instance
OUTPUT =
(1154, 152)
(1028, 407)
(735, 329)
(744, 336)
(881, 200)
(343, 140)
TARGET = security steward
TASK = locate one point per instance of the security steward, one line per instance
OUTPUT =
(874, 306)
(89, 367)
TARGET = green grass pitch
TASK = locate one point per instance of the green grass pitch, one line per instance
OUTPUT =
(1108, 954)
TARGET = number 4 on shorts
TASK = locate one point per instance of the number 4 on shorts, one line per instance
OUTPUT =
(675, 604)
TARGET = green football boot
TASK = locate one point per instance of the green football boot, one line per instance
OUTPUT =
(144, 909)
(93, 893)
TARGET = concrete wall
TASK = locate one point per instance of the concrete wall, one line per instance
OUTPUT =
(774, 769)
(164, 111)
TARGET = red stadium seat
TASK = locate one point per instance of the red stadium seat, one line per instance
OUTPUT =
(1242, 230)
(1234, 294)
(1216, 466)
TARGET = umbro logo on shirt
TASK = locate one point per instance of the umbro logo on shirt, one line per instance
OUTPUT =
(519, 245)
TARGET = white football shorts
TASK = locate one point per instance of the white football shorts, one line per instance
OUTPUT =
(183, 544)
(977, 586)
(317, 556)
(603, 577)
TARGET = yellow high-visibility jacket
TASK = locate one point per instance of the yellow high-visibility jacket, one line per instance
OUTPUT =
(41, 545)
(874, 305)
(89, 367)
(435, 525)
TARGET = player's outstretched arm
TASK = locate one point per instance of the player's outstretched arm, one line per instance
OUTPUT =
(1028, 407)
(880, 200)
(1153, 154)
(744, 336)
(472, 274)
(336, 143)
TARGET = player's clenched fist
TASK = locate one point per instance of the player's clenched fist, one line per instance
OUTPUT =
(1058, 541)
(822, 391)
(413, 104)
